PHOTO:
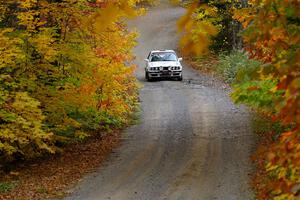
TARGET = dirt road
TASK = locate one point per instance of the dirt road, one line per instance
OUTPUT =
(192, 143)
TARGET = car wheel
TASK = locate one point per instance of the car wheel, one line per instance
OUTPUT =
(180, 78)
(147, 76)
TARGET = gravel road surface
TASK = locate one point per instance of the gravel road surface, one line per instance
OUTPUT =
(192, 143)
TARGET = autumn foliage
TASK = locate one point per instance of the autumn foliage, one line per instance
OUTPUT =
(197, 26)
(275, 41)
(271, 35)
(64, 72)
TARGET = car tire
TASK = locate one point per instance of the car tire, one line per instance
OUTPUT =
(180, 78)
(147, 76)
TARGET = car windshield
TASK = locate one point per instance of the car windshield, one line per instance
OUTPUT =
(163, 56)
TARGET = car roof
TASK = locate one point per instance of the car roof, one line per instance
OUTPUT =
(164, 50)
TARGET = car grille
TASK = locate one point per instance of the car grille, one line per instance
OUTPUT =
(165, 68)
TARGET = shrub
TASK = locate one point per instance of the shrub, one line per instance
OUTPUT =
(243, 74)
(237, 67)
(256, 94)
(6, 186)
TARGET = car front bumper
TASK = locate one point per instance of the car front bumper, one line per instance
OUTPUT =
(165, 74)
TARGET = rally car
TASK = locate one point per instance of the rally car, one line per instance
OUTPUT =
(163, 64)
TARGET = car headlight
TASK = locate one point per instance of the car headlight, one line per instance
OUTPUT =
(175, 68)
(153, 68)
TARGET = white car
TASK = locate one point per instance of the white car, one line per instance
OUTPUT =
(163, 64)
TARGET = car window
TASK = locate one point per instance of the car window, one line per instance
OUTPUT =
(163, 56)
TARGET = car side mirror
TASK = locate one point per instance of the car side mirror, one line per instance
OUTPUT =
(180, 59)
(147, 60)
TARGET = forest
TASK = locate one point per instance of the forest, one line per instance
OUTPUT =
(258, 46)
(66, 74)
(60, 79)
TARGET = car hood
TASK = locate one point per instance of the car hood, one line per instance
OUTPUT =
(164, 64)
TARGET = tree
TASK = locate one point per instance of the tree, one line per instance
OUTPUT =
(62, 72)
(270, 35)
